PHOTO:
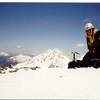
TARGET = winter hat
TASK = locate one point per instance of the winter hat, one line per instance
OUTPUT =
(89, 26)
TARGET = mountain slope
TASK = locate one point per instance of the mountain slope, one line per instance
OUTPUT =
(3, 53)
(20, 58)
(51, 58)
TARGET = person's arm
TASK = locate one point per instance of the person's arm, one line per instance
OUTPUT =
(96, 43)
(88, 45)
(97, 37)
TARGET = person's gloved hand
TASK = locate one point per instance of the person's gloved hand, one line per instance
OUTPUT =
(94, 50)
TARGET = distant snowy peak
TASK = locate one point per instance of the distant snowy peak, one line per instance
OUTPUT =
(51, 58)
(53, 52)
(3, 53)
(20, 58)
(50, 54)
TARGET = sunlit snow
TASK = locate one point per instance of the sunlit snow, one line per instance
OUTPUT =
(50, 80)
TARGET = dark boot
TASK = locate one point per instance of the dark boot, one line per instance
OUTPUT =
(83, 63)
(96, 64)
(72, 64)
(79, 64)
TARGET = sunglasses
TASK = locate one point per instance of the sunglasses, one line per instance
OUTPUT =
(90, 30)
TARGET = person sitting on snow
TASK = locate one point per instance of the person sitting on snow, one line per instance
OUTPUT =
(93, 44)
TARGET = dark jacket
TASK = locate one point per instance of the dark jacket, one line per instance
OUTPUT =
(95, 46)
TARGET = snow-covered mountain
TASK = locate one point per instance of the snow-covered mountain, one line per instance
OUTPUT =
(3, 53)
(49, 59)
(5, 61)
(20, 58)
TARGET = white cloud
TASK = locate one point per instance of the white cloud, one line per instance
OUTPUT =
(19, 46)
(80, 45)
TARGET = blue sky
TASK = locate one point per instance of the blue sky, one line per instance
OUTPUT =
(35, 27)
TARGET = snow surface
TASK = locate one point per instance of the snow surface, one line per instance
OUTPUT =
(52, 80)
(51, 83)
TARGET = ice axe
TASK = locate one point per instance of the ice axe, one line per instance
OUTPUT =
(74, 55)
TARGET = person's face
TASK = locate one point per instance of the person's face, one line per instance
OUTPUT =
(90, 32)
